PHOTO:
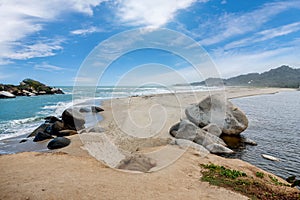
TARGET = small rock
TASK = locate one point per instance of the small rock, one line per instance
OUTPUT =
(96, 109)
(40, 136)
(58, 142)
(84, 110)
(249, 141)
(218, 149)
(5, 94)
(23, 140)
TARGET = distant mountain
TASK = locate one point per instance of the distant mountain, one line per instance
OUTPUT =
(283, 76)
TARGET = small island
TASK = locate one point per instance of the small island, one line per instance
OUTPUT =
(27, 87)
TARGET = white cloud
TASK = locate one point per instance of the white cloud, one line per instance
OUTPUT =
(232, 63)
(86, 31)
(230, 25)
(19, 51)
(153, 13)
(47, 67)
(265, 35)
(20, 19)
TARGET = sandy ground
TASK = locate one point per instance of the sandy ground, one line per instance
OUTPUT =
(136, 125)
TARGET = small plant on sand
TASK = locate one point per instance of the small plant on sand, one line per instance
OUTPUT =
(260, 174)
(254, 188)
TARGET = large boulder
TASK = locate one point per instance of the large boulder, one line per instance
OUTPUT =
(58, 142)
(217, 109)
(73, 119)
(189, 131)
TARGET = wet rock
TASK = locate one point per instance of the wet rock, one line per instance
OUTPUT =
(23, 140)
(57, 127)
(58, 142)
(249, 141)
(45, 128)
(96, 109)
(40, 136)
(73, 119)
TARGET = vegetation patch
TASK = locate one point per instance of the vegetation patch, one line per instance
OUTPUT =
(251, 187)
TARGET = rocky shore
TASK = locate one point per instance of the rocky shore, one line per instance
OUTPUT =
(168, 136)
(27, 87)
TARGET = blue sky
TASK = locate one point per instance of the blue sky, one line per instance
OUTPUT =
(49, 40)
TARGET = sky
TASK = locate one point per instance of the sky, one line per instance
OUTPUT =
(50, 40)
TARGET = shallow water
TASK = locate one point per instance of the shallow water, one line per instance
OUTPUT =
(274, 123)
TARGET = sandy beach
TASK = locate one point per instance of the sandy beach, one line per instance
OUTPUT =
(134, 126)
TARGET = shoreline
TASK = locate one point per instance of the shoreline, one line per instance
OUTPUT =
(76, 162)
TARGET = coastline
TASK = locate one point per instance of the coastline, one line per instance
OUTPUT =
(82, 176)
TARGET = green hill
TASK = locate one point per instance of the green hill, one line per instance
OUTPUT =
(284, 76)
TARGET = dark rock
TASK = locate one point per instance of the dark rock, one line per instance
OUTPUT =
(67, 133)
(56, 128)
(291, 179)
(40, 136)
(23, 140)
(96, 109)
(216, 109)
(52, 119)
(84, 110)
(46, 128)
(73, 119)
(58, 142)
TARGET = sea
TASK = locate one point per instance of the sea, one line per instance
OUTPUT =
(274, 120)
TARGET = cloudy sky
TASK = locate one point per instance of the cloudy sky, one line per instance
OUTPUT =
(49, 40)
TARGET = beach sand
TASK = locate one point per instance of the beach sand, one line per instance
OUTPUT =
(136, 125)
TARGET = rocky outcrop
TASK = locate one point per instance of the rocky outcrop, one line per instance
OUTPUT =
(6, 95)
(186, 130)
(206, 121)
(41, 136)
(28, 87)
(216, 109)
